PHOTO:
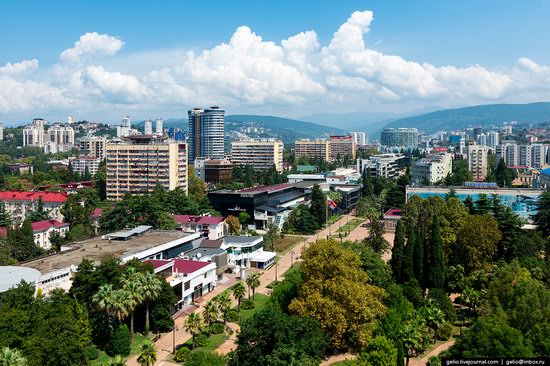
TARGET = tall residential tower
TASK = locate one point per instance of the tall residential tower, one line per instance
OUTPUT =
(206, 133)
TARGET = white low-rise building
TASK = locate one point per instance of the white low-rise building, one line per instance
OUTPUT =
(432, 169)
(190, 280)
(212, 227)
(247, 251)
(43, 231)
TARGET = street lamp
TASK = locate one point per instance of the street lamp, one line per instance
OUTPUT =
(276, 265)
(292, 258)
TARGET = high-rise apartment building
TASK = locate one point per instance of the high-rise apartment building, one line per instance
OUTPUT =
(141, 162)
(477, 161)
(84, 164)
(509, 152)
(533, 155)
(206, 133)
(383, 165)
(399, 137)
(359, 137)
(493, 139)
(93, 146)
(432, 169)
(148, 127)
(33, 135)
(342, 146)
(159, 126)
(124, 129)
(62, 136)
(314, 150)
(261, 154)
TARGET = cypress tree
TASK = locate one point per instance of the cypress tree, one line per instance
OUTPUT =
(368, 188)
(400, 354)
(407, 270)
(437, 265)
(418, 256)
(318, 203)
(397, 252)
(5, 217)
(427, 252)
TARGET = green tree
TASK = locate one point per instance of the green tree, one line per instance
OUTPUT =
(147, 354)
(118, 360)
(318, 205)
(336, 293)
(244, 217)
(203, 358)
(210, 313)
(238, 292)
(40, 213)
(491, 337)
(379, 352)
(119, 341)
(476, 242)
(542, 217)
(151, 287)
(224, 304)
(407, 270)
(436, 270)
(253, 282)
(5, 217)
(418, 256)
(234, 225)
(132, 285)
(376, 238)
(193, 325)
(367, 188)
(12, 357)
(396, 261)
(503, 174)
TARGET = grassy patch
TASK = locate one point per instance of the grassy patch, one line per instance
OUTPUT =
(334, 218)
(214, 342)
(104, 358)
(260, 300)
(351, 225)
(283, 245)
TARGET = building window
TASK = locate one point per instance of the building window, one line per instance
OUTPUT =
(186, 287)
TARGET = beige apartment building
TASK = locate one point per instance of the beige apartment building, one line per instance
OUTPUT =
(95, 146)
(477, 161)
(261, 154)
(141, 162)
(314, 149)
(341, 146)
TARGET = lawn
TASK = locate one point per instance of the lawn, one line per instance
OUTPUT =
(332, 219)
(214, 342)
(103, 358)
(351, 225)
(283, 245)
(260, 300)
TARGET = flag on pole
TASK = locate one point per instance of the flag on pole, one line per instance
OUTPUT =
(331, 203)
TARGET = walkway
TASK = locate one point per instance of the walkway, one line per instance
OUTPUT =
(434, 352)
(165, 343)
(362, 231)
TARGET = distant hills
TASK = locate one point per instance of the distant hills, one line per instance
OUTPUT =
(491, 114)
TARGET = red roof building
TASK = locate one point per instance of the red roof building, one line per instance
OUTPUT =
(42, 231)
(212, 227)
(55, 197)
(20, 204)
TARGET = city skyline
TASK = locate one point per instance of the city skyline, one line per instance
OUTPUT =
(302, 59)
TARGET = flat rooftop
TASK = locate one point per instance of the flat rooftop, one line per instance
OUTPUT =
(96, 249)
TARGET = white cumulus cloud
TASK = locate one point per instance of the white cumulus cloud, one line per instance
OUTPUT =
(92, 44)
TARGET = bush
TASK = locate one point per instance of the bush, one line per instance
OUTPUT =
(92, 353)
(119, 341)
(203, 358)
(445, 332)
(201, 340)
(248, 304)
(232, 315)
(182, 354)
(444, 303)
(413, 292)
(434, 361)
(217, 328)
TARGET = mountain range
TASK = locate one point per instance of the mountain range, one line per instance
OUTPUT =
(428, 121)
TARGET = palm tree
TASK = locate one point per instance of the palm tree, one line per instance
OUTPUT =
(11, 357)
(121, 303)
(210, 313)
(193, 325)
(151, 288)
(253, 282)
(118, 360)
(133, 288)
(147, 354)
(103, 300)
(224, 304)
(434, 318)
(238, 293)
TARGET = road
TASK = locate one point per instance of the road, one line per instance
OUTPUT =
(165, 343)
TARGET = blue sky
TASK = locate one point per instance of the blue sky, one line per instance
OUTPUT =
(156, 35)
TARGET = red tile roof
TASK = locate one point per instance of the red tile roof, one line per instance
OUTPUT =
(203, 220)
(39, 226)
(33, 196)
(96, 213)
(180, 265)
(188, 266)
(393, 212)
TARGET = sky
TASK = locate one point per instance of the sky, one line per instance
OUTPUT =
(101, 60)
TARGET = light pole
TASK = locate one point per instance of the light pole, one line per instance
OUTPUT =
(291, 258)
(276, 265)
(174, 338)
